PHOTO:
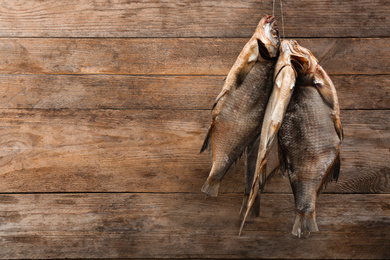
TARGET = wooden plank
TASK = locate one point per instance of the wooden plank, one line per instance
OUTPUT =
(188, 226)
(155, 151)
(83, 18)
(159, 92)
(178, 56)
(363, 92)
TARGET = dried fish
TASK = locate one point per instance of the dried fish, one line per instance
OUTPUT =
(310, 131)
(239, 109)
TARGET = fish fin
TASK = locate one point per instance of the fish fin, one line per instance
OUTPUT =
(220, 95)
(211, 187)
(251, 152)
(255, 185)
(325, 87)
(207, 139)
(335, 170)
(333, 173)
(254, 211)
(327, 91)
(251, 200)
(337, 125)
(238, 158)
(249, 169)
(255, 191)
(304, 222)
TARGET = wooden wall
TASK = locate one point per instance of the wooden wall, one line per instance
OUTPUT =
(104, 107)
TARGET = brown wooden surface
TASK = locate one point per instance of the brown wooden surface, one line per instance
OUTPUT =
(104, 106)
(175, 56)
(159, 92)
(139, 150)
(187, 225)
(230, 18)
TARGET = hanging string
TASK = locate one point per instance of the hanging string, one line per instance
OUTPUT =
(273, 8)
(281, 11)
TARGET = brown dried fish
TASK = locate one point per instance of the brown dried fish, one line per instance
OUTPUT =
(311, 132)
(239, 109)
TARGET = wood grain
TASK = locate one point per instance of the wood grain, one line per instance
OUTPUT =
(128, 225)
(104, 105)
(106, 18)
(154, 151)
(159, 92)
(174, 56)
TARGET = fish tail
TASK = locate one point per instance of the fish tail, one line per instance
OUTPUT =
(254, 210)
(251, 200)
(304, 222)
(211, 187)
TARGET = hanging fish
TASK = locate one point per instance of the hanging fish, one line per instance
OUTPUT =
(239, 109)
(310, 135)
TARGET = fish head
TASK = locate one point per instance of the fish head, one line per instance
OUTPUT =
(313, 70)
(267, 36)
(303, 61)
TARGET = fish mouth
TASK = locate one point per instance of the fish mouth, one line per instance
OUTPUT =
(267, 35)
(269, 18)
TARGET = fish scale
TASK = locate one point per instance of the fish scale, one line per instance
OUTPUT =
(239, 109)
(310, 146)
(240, 121)
(303, 112)
(307, 134)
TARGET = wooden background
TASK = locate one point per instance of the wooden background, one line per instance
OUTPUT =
(104, 107)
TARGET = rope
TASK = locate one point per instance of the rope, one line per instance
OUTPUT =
(281, 11)
(273, 8)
